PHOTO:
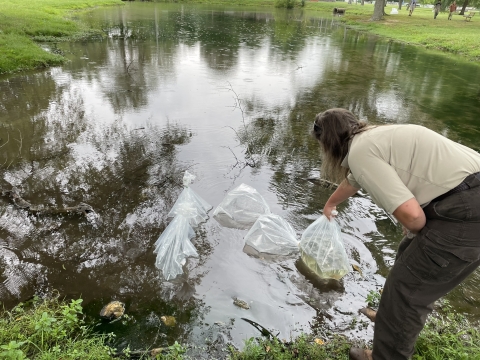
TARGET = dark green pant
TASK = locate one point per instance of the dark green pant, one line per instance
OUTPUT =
(427, 267)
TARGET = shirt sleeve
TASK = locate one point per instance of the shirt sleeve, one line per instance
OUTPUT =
(381, 181)
(351, 180)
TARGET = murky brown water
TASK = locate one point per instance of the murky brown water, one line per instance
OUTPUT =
(117, 126)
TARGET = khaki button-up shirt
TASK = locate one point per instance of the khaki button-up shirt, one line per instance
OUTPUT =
(395, 163)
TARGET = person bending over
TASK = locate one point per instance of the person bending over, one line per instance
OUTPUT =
(432, 186)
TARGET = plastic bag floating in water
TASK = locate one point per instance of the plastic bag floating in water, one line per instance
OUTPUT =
(174, 246)
(241, 207)
(189, 204)
(322, 249)
(271, 234)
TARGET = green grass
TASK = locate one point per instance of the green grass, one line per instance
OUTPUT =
(49, 329)
(455, 36)
(22, 22)
(446, 335)
(304, 347)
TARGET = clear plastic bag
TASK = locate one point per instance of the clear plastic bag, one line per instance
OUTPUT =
(271, 234)
(241, 207)
(174, 246)
(322, 249)
(189, 204)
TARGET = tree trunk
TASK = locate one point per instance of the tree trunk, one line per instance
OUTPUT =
(363, 2)
(400, 2)
(464, 7)
(378, 10)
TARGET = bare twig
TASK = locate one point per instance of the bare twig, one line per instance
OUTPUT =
(238, 105)
(20, 141)
(128, 66)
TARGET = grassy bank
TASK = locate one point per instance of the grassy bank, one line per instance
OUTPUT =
(47, 329)
(447, 335)
(455, 36)
(22, 23)
(54, 329)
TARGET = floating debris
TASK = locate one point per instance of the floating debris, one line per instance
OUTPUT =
(113, 310)
(357, 268)
(169, 320)
(240, 303)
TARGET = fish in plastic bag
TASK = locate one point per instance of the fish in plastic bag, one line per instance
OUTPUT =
(322, 249)
(189, 204)
(241, 207)
(174, 246)
(273, 235)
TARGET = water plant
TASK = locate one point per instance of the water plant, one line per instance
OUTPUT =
(373, 299)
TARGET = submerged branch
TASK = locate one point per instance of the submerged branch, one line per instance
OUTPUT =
(80, 209)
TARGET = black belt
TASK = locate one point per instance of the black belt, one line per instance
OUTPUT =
(461, 187)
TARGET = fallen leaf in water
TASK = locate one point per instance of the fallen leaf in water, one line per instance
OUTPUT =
(319, 341)
(357, 268)
(156, 351)
(168, 320)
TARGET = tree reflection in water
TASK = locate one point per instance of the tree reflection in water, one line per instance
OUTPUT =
(131, 178)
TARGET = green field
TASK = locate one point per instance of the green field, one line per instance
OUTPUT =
(455, 36)
(23, 24)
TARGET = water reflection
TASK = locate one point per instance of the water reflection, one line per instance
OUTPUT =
(231, 95)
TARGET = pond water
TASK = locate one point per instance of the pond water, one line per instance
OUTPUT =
(229, 94)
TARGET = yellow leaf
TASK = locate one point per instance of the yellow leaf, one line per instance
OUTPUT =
(168, 320)
(267, 349)
(319, 341)
(357, 268)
